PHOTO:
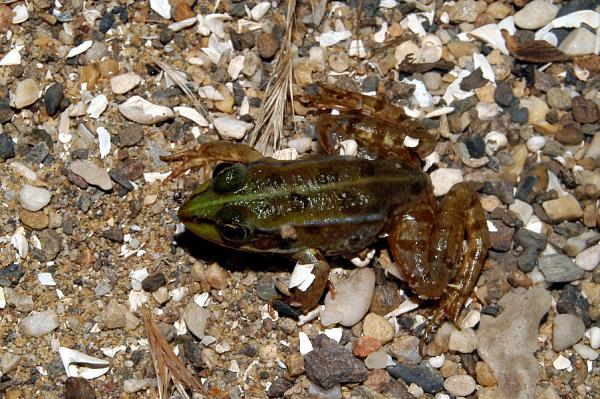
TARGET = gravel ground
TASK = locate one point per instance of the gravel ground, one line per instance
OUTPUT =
(90, 97)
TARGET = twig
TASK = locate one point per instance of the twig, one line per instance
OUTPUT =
(266, 135)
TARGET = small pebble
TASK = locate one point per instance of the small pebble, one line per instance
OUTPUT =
(34, 198)
(460, 385)
(154, 281)
(589, 259)
(143, 111)
(353, 297)
(535, 14)
(422, 375)
(123, 83)
(444, 179)
(567, 331)
(39, 323)
(195, 319)
(579, 42)
(53, 97)
(267, 45)
(564, 208)
(217, 277)
(92, 174)
(7, 147)
(377, 360)
(463, 341)
(559, 268)
(378, 327)
(27, 92)
(584, 110)
(364, 345)
(79, 388)
(230, 128)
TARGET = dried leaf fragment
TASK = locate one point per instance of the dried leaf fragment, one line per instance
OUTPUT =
(534, 51)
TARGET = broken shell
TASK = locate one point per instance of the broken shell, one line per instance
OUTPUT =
(143, 111)
(431, 49)
(404, 49)
(79, 364)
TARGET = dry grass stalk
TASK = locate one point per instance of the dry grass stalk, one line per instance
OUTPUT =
(266, 135)
(178, 78)
(167, 366)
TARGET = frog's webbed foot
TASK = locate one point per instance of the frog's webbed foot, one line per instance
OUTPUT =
(308, 299)
(204, 154)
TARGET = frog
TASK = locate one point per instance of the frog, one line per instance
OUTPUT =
(326, 205)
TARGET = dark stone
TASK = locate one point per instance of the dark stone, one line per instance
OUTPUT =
(526, 189)
(527, 260)
(238, 10)
(124, 15)
(285, 310)
(369, 84)
(193, 354)
(107, 21)
(265, 290)
(476, 146)
(370, 8)
(519, 115)
(572, 301)
(242, 41)
(430, 380)
(6, 113)
(501, 240)
(114, 234)
(152, 70)
(119, 177)
(250, 350)
(133, 169)
(130, 135)
(545, 81)
(78, 388)
(503, 94)
(329, 364)
(37, 154)
(491, 310)
(10, 275)
(474, 81)
(165, 36)
(7, 147)
(501, 189)
(51, 243)
(154, 281)
(576, 5)
(53, 97)
(584, 110)
(530, 239)
(279, 387)
(238, 93)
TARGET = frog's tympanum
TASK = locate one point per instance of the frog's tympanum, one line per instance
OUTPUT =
(324, 205)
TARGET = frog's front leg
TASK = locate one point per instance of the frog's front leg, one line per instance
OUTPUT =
(206, 153)
(427, 246)
(308, 299)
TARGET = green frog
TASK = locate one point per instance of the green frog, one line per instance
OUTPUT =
(327, 205)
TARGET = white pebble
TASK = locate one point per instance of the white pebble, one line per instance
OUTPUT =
(589, 259)
(486, 111)
(495, 141)
(593, 334)
(92, 174)
(535, 14)
(21, 14)
(161, 7)
(585, 352)
(353, 297)
(27, 92)
(259, 10)
(523, 210)
(579, 42)
(39, 323)
(536, 143)
(460, 385)
(191, 114)
(121, 84)
(443, 180)
(561, 363)
(143, 111)
(230, 128)
(97, 106)
(437, 361)
(34, 198)
(13, 57)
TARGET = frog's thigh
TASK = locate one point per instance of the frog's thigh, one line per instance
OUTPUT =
(306, 300)
(205, 153)
(409, 237)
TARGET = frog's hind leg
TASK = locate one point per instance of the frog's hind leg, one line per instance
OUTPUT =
(206, 153)
(427, 247)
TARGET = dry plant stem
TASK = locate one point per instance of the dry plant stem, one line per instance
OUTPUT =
(174, 76)
(166, 365)
(266, 135)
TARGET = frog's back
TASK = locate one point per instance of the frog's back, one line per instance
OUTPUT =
(335, 204)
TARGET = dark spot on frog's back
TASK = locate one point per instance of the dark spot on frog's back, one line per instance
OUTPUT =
(327, 175)
(418, 185)
(230, 179)
(298, 201)
(367, 169)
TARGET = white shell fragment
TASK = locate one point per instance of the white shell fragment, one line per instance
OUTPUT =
(479, 61)
(143, 111)
(259, 10)
(573, 20)
(302, 276)
(431, 49)
(491, 33)
(454, 92)
(83, 47)
(561, 363)
(230, 128)
(305, 344)
(97, 106)
(443, 180)
(210, 93)
(21, 14)
(180, 25)
(46, 279)
(104, 140)
(421, 94)
(235, 66)
(191, 114)
(357, 49)
(13, 57)
(161, 7)
(332, 37)
(79, 364)
(121, 84)
(19, 242)
(379, 36)
(213, 23)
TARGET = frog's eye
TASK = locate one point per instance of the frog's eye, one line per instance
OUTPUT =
(219, 168)
(233, 233)
(229, 179)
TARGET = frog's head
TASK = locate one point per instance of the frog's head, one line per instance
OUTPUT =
(216, 212)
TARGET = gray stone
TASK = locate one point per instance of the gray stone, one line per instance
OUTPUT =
(560, 268)
(567, 331)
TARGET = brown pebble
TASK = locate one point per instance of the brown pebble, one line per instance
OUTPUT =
(584, 111)
(217, 277)
(182, 11)
(363, 346)
(385, 299)
(108, 68)
(295, 364)
(569, 136)
(78, 388)
(90, 75)
(267, 45)
(34, 220)
(485, 375)
(377, 379)
(519, 279)
(590, 213)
